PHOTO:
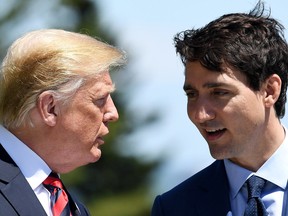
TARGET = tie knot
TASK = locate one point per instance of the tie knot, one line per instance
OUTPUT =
(53, 180)
(255, 186)
(58, 197)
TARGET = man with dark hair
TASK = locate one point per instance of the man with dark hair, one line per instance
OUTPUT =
(235, 81)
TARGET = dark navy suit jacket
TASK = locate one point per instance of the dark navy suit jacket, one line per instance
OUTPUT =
(204, 194)
(16, 195)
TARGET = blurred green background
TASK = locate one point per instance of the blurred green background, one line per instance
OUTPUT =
(116, 185)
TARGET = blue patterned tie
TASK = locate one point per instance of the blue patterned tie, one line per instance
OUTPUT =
(255, 206)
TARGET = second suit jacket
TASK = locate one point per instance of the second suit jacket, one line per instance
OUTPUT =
(204, 194)
(16, 195)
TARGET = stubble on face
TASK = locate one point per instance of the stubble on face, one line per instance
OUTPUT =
(228, 114)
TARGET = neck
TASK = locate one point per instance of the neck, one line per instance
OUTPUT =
(269, 141)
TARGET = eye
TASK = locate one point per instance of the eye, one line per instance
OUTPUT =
(221, 92)
(191, 94)
(100, 101)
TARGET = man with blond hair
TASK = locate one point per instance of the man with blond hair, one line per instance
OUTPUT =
(55, 106)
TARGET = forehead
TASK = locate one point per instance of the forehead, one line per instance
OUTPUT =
(101, 83)
(197, 74)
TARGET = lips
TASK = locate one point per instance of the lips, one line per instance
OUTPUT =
(214, 134)
(100, 140)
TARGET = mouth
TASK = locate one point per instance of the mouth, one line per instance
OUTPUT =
(214, 134)
(100, 140)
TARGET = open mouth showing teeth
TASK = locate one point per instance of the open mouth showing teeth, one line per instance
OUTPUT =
(216, 132)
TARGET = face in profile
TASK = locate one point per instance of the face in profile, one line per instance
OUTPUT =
(83, 124)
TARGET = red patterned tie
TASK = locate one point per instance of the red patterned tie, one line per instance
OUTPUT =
(59, 198)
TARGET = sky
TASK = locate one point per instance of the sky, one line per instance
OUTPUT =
(145, 29)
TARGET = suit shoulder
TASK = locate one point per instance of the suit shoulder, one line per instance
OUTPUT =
(188, 197)
(197, 182)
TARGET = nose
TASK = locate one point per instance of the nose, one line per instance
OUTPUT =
(200, 112)
(111, 113)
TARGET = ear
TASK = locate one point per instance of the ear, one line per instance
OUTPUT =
(272, 89)
(48, 110)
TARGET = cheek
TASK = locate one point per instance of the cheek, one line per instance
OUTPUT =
(83, 121)
(91, 122)
(245, 114)
(250, 106)
(89, 125)
(89, 114)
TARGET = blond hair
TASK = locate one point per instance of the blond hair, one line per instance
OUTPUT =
(49, 60)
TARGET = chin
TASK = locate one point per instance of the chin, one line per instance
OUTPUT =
(96, 155)
(218, 154)
(96, 159)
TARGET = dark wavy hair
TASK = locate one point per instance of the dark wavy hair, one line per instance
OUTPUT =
(252, 43)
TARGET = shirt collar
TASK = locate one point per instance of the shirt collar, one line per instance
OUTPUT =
(272, 170)
(34, 169)
(236, 176)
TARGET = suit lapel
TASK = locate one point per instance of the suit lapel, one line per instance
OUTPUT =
(16, 189)
(76, 207)
(73, 205)
(215, 197)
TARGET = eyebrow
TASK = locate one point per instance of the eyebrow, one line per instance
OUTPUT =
(106, 89)
(208, 85)
(113, 88)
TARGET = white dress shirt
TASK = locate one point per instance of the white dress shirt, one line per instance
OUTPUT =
(34, 169)
(274, 194)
